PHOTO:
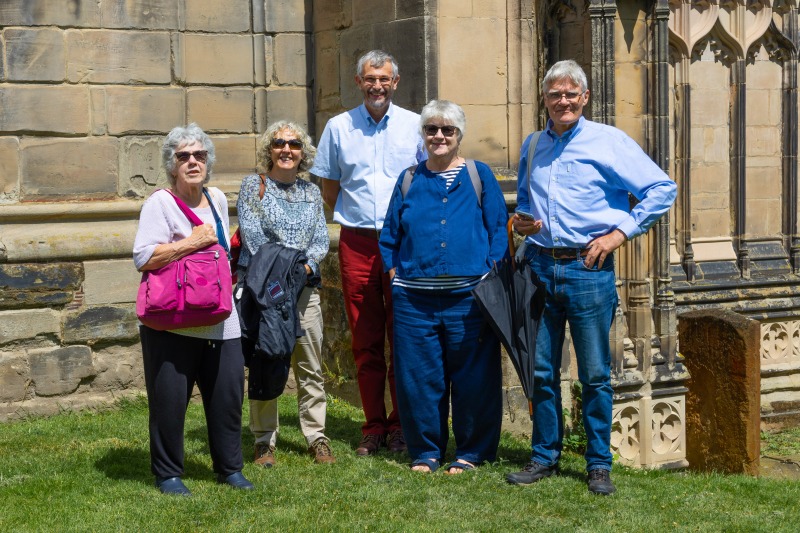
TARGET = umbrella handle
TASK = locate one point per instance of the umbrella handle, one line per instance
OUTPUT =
(510, 231)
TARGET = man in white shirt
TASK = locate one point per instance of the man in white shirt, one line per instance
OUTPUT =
(360, 156)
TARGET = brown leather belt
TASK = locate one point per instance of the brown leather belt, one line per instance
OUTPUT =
(562, 253)
(364, 232)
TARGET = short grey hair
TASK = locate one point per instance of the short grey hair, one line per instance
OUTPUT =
(376, 59)
(181, 136)
(265, 145)
(447, 111)
(566, 69)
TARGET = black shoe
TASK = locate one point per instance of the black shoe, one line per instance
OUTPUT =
(599, 481)
(172, 485)
(532, 473)
(235, 480)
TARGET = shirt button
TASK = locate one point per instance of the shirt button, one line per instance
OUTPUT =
(444, 221)
(552, 218)
(444, 245)
(444, 200)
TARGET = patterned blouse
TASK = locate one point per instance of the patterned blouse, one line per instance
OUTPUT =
(290, 214)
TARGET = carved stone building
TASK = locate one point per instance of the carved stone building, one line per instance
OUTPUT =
(89, 88)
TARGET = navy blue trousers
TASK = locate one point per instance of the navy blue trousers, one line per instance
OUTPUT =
(445, 353)
(172, 365)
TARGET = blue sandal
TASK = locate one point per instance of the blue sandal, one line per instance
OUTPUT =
(433, 464)
(459, 464)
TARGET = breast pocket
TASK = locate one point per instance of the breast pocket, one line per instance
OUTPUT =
(399, 157)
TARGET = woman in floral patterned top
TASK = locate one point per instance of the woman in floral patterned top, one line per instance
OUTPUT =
(290, 213)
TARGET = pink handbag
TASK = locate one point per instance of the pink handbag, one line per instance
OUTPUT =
(195, 290)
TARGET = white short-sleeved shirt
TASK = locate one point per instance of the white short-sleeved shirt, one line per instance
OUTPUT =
(366, 159)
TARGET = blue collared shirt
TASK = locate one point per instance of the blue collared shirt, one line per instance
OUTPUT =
(365, 158)
(580, 181)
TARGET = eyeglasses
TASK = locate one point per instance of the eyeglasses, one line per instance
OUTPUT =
(200, 156)
(294, 144)
(431, 129)
(384, 80)
(556, 96)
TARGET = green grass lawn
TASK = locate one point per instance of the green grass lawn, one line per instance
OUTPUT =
(90, 472)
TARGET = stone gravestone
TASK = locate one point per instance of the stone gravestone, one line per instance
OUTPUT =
(721, 350)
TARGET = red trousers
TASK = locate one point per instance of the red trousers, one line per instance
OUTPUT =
(368, 302)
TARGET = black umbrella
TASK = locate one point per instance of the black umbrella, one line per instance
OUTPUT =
(511, 298)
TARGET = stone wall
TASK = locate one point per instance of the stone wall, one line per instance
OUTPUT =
(87, 92)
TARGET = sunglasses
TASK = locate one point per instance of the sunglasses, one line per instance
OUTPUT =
(294, 144)
(447, 131)
(200, 156)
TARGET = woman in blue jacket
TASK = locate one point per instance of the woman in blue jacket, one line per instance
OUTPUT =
(445, 228)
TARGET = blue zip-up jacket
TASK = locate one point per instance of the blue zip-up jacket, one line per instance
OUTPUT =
(435, 231)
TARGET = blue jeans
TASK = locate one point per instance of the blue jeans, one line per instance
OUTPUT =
(444, 353)
(586, 299)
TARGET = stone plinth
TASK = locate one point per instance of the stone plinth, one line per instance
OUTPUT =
(723, 402)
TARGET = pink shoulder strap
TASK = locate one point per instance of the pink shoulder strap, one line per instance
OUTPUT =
(194, 219)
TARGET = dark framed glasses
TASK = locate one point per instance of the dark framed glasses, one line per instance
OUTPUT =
(294, 144)
(431, 129)
(200, 156)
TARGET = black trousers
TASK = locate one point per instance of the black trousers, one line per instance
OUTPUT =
(172, 365)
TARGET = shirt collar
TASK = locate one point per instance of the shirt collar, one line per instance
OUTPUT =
(567, 134)
(367, 118)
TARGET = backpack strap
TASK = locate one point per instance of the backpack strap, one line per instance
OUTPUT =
(475, 178)
(472, 170)
(407, 178)
(532, 150)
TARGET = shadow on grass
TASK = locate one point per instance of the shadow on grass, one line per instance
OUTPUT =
(133, 464)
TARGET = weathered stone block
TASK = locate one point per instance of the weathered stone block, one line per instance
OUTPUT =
(38, 284)
(332, 15)
(326, 70)
(221, 110)
(290, 104)
(9, 169)
(462, 41)
(453, 8)
(287, 16)
(49, 13)
(108, 56)
(118, 368)
(44, 109)
(236, 156)
(58, 168)
(721, 351)
(231, 16)
(59, 371)
(142, 14)
(13, 377)
(269, 60)
(293, 64)
(97, 101)
(217, 59)
(371, 11)
(764, 75)
(412, 8)
(28, 323)
(486, 137)
(110, 282)
(144, 110)
(140, 169)
(260, 61)
(35, 54)
(93, 324)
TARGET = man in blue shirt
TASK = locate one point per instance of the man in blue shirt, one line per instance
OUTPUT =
(360, 156)
(576, 189)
